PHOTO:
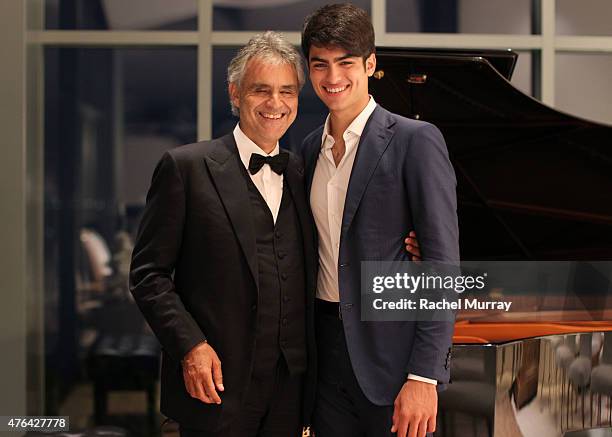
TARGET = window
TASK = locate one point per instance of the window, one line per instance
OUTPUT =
(582, 85)
(586, 17)
(457, 16)
(281, 15)
(110, 114)
(121, 14)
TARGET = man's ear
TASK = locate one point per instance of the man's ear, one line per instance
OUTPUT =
(234, 94)
(370, 64)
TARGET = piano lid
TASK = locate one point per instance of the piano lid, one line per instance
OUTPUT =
(533, 182)
(503, 61)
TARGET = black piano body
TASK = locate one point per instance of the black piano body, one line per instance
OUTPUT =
(533, 183)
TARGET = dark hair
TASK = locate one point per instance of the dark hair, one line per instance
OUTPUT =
(342, 25)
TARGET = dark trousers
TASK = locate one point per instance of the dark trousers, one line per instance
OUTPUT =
(272, 408)
(341, 408)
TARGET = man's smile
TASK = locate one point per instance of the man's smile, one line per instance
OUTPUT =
(271, 115)
(336, 89)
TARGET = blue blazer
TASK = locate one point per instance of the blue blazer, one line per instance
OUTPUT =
(402, 179)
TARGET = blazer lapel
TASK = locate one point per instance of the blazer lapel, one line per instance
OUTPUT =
(373, 143)
(224, 166)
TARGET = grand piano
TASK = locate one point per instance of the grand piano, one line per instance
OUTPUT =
(533, 184)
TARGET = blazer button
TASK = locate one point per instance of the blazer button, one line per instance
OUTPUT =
(284, 321)
(284, 276)
(278, 234)
(281, 255)
(254, 307)
(285, 298)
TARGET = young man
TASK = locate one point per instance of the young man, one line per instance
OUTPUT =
(371, 174)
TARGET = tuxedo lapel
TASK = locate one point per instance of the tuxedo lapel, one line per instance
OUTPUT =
(311, 154)
(373, 143)
(294, 177)
(224, 166)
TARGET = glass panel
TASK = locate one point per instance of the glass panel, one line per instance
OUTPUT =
(586, 17)
(287, 15)
(311, 113)
(109, 116)
(522, 78)
(121, 14)
(456, 16)
(582, 85)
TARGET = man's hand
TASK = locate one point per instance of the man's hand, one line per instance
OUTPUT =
(202, 374)
(412, 247)
(415, 409)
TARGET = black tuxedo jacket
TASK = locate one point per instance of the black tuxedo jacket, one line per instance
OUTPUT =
(194, 271)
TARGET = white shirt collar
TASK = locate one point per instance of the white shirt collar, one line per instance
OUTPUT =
(246, 146)
(356, 127)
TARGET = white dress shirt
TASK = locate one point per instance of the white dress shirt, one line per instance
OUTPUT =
(269, 184)
(327, 197)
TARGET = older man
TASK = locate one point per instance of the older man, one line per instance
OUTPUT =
(224, 264)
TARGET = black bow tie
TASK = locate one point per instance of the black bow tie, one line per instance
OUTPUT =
(277, 163)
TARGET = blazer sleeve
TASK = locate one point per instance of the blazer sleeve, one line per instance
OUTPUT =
(431, 184)
(156, 250)
(432, 189)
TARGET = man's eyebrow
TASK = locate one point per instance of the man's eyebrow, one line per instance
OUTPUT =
(291, 87)
(342, 58)
(259, 85)
(338, 59)
(316, 59)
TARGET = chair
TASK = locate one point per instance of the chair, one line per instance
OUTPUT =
(564, 356)
(601, 378)
(579, 371)
(124, 362)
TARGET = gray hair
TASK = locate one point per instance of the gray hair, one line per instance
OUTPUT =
(271, 47)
